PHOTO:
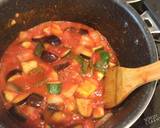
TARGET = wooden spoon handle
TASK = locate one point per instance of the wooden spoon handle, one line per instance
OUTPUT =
(131, 78)
(128, 79)
(145, 74)
(121, 81)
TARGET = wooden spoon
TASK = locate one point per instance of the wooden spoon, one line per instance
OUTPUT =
(120, 82)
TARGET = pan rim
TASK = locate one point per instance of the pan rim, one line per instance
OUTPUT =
(154, 57)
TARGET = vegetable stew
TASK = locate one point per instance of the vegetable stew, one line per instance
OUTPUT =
(52, 75)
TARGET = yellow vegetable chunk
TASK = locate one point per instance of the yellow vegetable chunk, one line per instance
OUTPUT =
(69, 91)
(70, 104)
(95, 35)
(46, 45)
(53, 76)
(65, 53)
(29, 65)
(84, 51)
(58, 117)
(20, 97)
(99, 75)
(23, 36)
(54, 99)
(111, 64)
(14, 77)
(97, 48)
(9, 95)
(84, 106)
(87, 41)
(26, 44)
(86, 88)
(56, 30)
(98, 112)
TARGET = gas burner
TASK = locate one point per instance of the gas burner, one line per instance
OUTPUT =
(149, 14)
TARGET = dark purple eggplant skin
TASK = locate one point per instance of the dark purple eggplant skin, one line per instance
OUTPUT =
(16, 114)
(83, 31)
(71, 29)
(52, 39)
(53, 107)
(34, 100)
(13, 72)
(48, 56)
(61, 66)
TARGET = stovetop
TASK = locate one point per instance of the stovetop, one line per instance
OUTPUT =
(151, 117)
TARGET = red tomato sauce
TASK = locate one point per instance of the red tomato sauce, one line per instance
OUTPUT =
(52, 75)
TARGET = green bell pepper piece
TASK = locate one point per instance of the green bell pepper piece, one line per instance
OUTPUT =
(102, 64)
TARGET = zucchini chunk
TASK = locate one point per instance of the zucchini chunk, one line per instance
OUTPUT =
(54, 88)
(39, 49)
(29, 66)
(84, 107)
(97, 48)
(9, 95)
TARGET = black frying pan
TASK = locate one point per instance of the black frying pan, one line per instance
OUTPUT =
(115, 19)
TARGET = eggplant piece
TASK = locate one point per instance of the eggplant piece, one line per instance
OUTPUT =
(52, 39)
(66, 53)
(71, 29)
(55, 99)
(53, 107)
(9, 95)
(86, 53)
(61, 66)
(48, 56)
(20, 99)
(95, 49)
(12, 73)
(13, 87)
(34, 100)
(83, 31)
(58, 117)
(18, 115)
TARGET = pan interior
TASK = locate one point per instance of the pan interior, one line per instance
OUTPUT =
(113, 18)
